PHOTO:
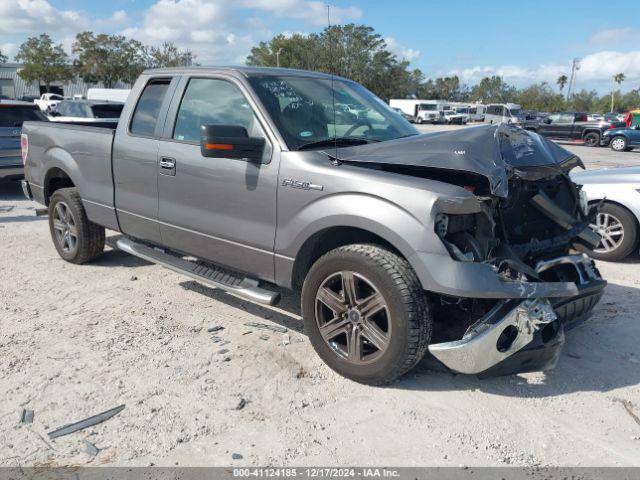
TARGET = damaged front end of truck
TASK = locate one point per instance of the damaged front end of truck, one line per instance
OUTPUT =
(516, 276)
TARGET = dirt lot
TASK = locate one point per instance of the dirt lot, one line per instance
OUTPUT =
(78, 340)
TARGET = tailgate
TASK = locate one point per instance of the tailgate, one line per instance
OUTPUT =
(9, 142)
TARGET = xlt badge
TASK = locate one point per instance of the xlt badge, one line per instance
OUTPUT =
(287, 182)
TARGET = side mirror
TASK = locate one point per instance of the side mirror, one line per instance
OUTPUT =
(230, 141)
(547, 121)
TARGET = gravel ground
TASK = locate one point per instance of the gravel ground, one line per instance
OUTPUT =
(78, 340)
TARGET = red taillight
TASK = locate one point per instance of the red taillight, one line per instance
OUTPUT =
(24, 145)
(613, 125)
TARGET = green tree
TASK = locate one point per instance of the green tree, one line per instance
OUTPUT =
(108, 59)
(561, 82)
(352, 51)
(3, 57)
(168, 55)
(539, 97)
(617, 78)
(584, 101)
(44, 61)
(492, 90)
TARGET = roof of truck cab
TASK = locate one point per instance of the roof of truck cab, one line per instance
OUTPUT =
(246, 71)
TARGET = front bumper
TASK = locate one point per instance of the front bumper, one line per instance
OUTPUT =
(523, 335)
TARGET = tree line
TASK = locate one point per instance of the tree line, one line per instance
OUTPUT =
(353, 51)
(98, 59)
(359, 53)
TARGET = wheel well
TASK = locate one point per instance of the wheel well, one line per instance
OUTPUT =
(587, 132)
(326, 240)
(612, 202)
(55, 179)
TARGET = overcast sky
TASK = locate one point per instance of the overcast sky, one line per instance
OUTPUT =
(525, 41)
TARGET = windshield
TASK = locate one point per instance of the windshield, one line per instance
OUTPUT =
(302, 108)
(428, 106)
(515, 112)
(462, 110)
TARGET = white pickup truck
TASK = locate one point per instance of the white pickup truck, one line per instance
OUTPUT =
(48, 100)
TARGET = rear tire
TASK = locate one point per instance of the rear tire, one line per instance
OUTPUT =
(419, 120)
(621, 233)
(619, 144)
(75, 237)
(592, 139)
(371, 345)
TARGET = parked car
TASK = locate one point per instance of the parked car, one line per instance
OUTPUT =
(48, 101)
(623, 139)
(595, 117)
(617, 192)
(614, 117)
(86, 111)
(571, 126)
(399, 242)
(12, 114)
(406, 116)
(451, 117)
(504, 113)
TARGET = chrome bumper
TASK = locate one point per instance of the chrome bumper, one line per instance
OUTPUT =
(507, 328)
(517, 325)
(26, 189)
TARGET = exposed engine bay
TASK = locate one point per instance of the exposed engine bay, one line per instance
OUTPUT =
(530, 225)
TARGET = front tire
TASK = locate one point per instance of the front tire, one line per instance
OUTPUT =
(619, 231)
(592, 139)
(619, 144)
(366, 314)
(75, 237)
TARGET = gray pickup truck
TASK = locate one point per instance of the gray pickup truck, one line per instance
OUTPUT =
(462, 245)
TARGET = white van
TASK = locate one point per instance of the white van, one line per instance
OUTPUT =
(422, 111)
(503, 113)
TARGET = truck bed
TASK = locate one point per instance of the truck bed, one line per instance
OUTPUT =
(84, 153)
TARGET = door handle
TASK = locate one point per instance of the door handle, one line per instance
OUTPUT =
(167, 166)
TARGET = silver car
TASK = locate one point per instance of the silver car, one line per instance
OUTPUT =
(619, 215)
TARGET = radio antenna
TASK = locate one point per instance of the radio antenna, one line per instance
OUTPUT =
(333, 90)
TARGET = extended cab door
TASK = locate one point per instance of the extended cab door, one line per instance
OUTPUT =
(220, 209)
(135, 158)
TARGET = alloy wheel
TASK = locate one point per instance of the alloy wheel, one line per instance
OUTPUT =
(64, 226)
(353, 317)
(610, 230)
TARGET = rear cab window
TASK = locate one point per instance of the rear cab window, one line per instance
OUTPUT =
(145, 115)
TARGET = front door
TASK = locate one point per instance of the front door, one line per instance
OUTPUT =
(219, 209)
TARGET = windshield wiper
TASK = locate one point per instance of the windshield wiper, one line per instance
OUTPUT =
(340, 141)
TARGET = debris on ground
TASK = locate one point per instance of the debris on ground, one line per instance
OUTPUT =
(236, 456)
(219, 340)
(133, 278)
(286, 339)
(26, 416)
(301, 373)
(247, 332)
(628, 406)
(241, 404)
(264, 326)
(226, 359)
(222, 351)
(264, 336)
(87, 422)
(215, 328)
(90, 448)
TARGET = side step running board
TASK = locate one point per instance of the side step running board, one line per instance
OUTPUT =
(210, 275)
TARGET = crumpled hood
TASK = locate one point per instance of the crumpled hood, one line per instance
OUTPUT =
(495, 152)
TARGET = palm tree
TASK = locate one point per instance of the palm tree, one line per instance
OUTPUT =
(617, 78)
(562, 81)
